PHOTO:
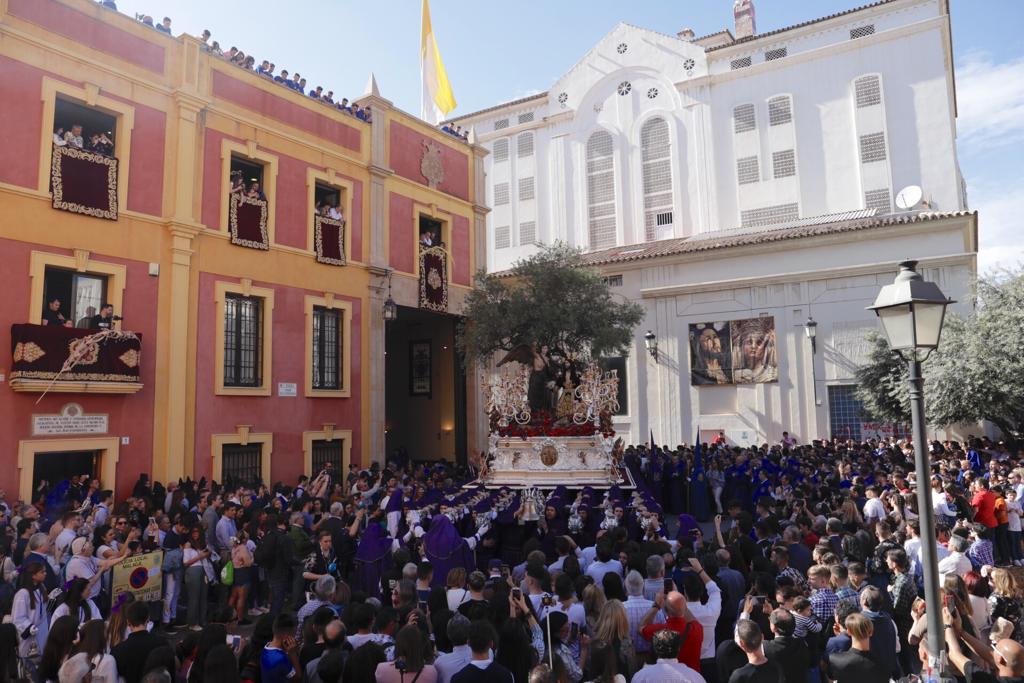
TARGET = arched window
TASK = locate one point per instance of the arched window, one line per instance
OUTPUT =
(601, 190)
(657, 179)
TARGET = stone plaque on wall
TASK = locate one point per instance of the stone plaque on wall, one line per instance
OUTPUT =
(72, 419)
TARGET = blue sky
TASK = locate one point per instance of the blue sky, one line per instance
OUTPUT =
(495, 53)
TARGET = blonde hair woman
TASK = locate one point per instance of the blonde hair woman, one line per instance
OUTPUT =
(455, 584)
(1007, 599)
(593, 603)
(613, 627)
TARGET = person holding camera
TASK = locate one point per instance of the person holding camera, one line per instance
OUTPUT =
(412, 649)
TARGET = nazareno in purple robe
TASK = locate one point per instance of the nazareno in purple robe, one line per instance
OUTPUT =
(373, 558)
(446, 549)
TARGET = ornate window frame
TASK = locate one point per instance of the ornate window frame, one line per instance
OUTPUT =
(243, 437)
(445, 219)
(330, 301)
(250, 151)
(81, 262)
(328, 433)
(88, 95)
(245, 288)
(347, 188)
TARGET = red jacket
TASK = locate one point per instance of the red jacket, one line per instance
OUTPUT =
(984, 504)
(692, 633)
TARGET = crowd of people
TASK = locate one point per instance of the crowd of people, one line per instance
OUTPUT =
(96, 141)
(777, 563)
(455, 131)
(294, 81)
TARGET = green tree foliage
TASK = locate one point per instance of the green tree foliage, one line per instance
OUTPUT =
(551, 298)
(881, 383)
(977, 373)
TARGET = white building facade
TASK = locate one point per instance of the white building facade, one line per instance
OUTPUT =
(729, 179)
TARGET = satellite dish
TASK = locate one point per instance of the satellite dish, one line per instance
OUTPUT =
(909, 197)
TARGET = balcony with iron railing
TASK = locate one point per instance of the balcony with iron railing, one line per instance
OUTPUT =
(52, 358)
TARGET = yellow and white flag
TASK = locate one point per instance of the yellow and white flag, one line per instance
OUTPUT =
(438, 98)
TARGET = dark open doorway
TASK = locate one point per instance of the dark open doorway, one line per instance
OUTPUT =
(425, 388)
(55, 467)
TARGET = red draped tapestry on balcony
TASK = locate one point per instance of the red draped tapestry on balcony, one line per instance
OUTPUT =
(247, 221)
(84, 182)
(434, 279)
(329, 236)
(41, 351)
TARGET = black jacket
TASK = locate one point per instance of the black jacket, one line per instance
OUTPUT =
(495, 673)
(275, 554)
(791, 654)
(131, 654)
(856, 666)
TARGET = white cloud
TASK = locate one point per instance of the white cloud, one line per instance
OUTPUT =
(999, 223)
(990, 100)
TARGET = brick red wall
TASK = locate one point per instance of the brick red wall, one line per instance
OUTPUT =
(130, 415)
(286, 417)
(91, 32)
(291, 113)
(401, 233)
(406, 151)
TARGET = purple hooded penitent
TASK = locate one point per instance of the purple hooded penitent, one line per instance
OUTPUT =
(446, 549)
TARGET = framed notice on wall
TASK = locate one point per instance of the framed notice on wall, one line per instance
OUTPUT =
(419, 368)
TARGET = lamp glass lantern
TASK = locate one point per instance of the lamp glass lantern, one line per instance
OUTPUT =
(911, 311)
(390, 308)
(651, 343)
(811, 328)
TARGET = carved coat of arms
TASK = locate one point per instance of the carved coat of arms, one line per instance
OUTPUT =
(431, 164)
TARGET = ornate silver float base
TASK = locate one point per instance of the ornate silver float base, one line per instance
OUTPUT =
(549, 461)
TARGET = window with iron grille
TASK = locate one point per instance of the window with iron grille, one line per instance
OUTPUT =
(502, 237)
(528, 232)
(780, 110)
(741, 63)
(243, 341)
(500, 194)
(325, 452)
(524, 145)
(501, 150)
(241, 465)
(862, 31)
(743, 118)
(525, 188)
(613, 280)
(747, 170)
(777, 53)
(656, 157)
(784, 163)
(880, 200)
(327, 345)
(500, 123)
(601, 190)
(872, 147)
(868, 91)
(769, 215)
(526, 117)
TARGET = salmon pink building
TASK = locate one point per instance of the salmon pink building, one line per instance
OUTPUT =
(197, 261)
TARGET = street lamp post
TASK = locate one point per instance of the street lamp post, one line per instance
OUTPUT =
(912, 311)
(811, 330)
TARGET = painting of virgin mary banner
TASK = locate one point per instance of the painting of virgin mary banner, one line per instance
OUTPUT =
(733, 352)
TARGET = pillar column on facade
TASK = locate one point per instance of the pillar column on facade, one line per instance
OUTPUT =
(476, 401)
(379, 173)
(173, 456)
